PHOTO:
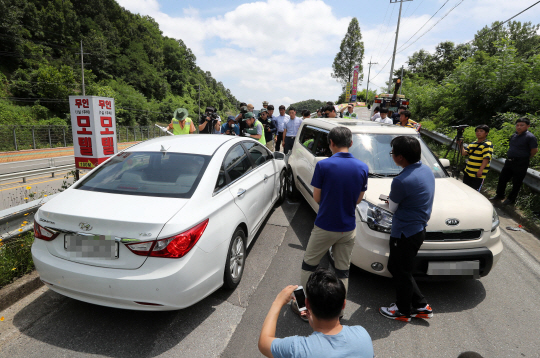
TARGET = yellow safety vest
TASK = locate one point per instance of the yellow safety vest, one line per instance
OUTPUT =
(262, 140)
(178, 130)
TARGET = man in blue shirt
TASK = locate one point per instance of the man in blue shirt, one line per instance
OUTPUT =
(291, 129)
(231, 127)
(411, 200)
(339, 184)
(325, 299)
(280, 125)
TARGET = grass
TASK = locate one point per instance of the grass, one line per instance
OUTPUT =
(16, 258)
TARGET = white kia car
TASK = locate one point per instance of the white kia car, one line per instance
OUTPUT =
(160, 225)
(463, 236)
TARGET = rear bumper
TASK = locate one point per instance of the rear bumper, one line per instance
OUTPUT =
(170, 284)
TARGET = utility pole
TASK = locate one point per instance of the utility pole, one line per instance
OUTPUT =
(82, 70)
(369, 71)
(199, 108)
(400, 87)
(395, 43)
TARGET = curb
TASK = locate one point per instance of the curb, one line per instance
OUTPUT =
(19, 289)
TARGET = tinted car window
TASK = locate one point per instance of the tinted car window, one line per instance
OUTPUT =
(236, 163)
(149, 174)
(322, 149)
(307, 137)
(257, 152)
(374, 150)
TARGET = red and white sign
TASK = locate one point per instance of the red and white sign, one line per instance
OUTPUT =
(93, 123)
(355, 83)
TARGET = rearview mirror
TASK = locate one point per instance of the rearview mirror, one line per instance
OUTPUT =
(445, 163)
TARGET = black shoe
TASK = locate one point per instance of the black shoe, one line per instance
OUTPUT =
(508, 202)
(496, 197)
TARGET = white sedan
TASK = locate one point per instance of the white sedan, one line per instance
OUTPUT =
(161, 225)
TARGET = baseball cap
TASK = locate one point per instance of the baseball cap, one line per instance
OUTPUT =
(248, 115)
(231, 118)
(263, 110)
(265, 103)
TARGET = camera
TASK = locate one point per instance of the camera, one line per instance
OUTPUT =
(460, 129)
(243, 110)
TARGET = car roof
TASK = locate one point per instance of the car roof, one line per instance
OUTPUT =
(360, 126)
(204, 144)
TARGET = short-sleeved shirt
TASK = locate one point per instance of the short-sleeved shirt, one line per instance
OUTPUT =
(385, 120)
(349, 115)
(280, 122)
(413, 189)
(410, 124)
(292, 126)
(352, 341)
(520, 145)
(477, 153)
(225, 127)
(375, 116)
(341, 179)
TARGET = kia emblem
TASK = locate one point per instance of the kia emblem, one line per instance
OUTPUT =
(85, 226)
(452, 222)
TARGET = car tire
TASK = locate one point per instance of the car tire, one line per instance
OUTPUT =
(282, 187)
(292, 191)
(236, 259)
(331, 257)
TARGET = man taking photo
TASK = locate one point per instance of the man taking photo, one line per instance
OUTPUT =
(208, 122)
(339, 184)
(411, 201)
(325, 299)
(230, 127)
(254, 128)
(269, 128)
(480, 153)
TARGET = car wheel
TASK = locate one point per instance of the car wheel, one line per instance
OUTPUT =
(282, 187)
(236, 258)
(331, 257)
(292, 191)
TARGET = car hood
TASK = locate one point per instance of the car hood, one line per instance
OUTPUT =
(453, 200)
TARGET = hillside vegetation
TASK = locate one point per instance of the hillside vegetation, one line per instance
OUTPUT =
(126, 57)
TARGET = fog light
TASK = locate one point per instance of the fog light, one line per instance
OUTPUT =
(377, 266)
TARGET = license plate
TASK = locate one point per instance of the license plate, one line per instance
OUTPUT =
(454, 268)
(96, 246)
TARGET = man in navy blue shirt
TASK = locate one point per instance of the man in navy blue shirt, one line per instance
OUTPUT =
(411, 200)
(231, 127)
(339, 184)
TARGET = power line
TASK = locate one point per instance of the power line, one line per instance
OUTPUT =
(384, 36)
(432, 26)
(417, 7)
(384, 20)
(424, 24)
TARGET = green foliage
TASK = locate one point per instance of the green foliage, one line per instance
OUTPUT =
(351, 53)
(126, 57)
(311, 104)
(16, 258)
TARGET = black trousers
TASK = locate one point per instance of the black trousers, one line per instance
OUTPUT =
(289, 143)
(514, 169)
(473, 182)
(278, 140)
(403, 250)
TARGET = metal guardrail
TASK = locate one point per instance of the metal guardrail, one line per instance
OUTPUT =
(35, 172)
(532, 178)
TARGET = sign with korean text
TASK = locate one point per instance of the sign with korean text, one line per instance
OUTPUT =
(93, 123)
(355, 83)
(348, 92)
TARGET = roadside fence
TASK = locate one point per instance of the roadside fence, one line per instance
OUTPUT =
(21, 137)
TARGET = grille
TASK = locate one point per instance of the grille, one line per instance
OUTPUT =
(453, 235)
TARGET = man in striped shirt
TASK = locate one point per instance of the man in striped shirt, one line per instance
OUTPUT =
(480, 153)
(405, 121)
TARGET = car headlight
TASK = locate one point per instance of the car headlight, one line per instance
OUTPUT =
(376, 218)
(494, 220)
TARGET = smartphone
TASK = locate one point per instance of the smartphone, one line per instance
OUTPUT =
(300, 296)
(383, 197)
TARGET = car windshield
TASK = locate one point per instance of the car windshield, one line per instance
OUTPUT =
(173, 175)
(374, 150)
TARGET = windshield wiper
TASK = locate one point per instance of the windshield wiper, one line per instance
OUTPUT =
(382, 175)
(374, 175)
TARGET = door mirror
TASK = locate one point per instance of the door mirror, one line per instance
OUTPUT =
(369, 106)
(445, 163)
(279, 155)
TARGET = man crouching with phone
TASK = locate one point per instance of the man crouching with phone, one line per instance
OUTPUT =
(324, 300)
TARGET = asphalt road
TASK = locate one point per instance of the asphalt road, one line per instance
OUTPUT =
(497, 316)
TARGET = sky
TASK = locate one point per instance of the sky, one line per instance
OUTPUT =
(282, 51)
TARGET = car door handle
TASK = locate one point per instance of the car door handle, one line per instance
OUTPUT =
(266, 177)
(241, 192)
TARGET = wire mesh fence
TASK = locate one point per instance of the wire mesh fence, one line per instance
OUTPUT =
(13, 138)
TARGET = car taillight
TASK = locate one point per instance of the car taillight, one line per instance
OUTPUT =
(377, 101)
(172, 247)
(43, 233)
(405, 103)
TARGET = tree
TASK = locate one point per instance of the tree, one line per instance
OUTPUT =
(351, 53)
(525, 37)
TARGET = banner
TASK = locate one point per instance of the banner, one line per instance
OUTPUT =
(93, 123)
(348, 92)
(355, 83)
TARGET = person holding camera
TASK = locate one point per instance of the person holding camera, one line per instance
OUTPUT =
(280, 125)
(411, 201)
(254, 128)
(269, 128)
(522, 148)
(181, 123)
(231, 127)
(324, 299)
(480, 153)
(208, 122)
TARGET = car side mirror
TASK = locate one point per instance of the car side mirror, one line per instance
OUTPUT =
(445, 163)
(369, 106)
(279, 156)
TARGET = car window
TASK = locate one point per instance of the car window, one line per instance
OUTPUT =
(374, 150)
(173, 175)
(221, 180)
(322, 149)
(236, 163)
(307, 137)
(257, 152)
